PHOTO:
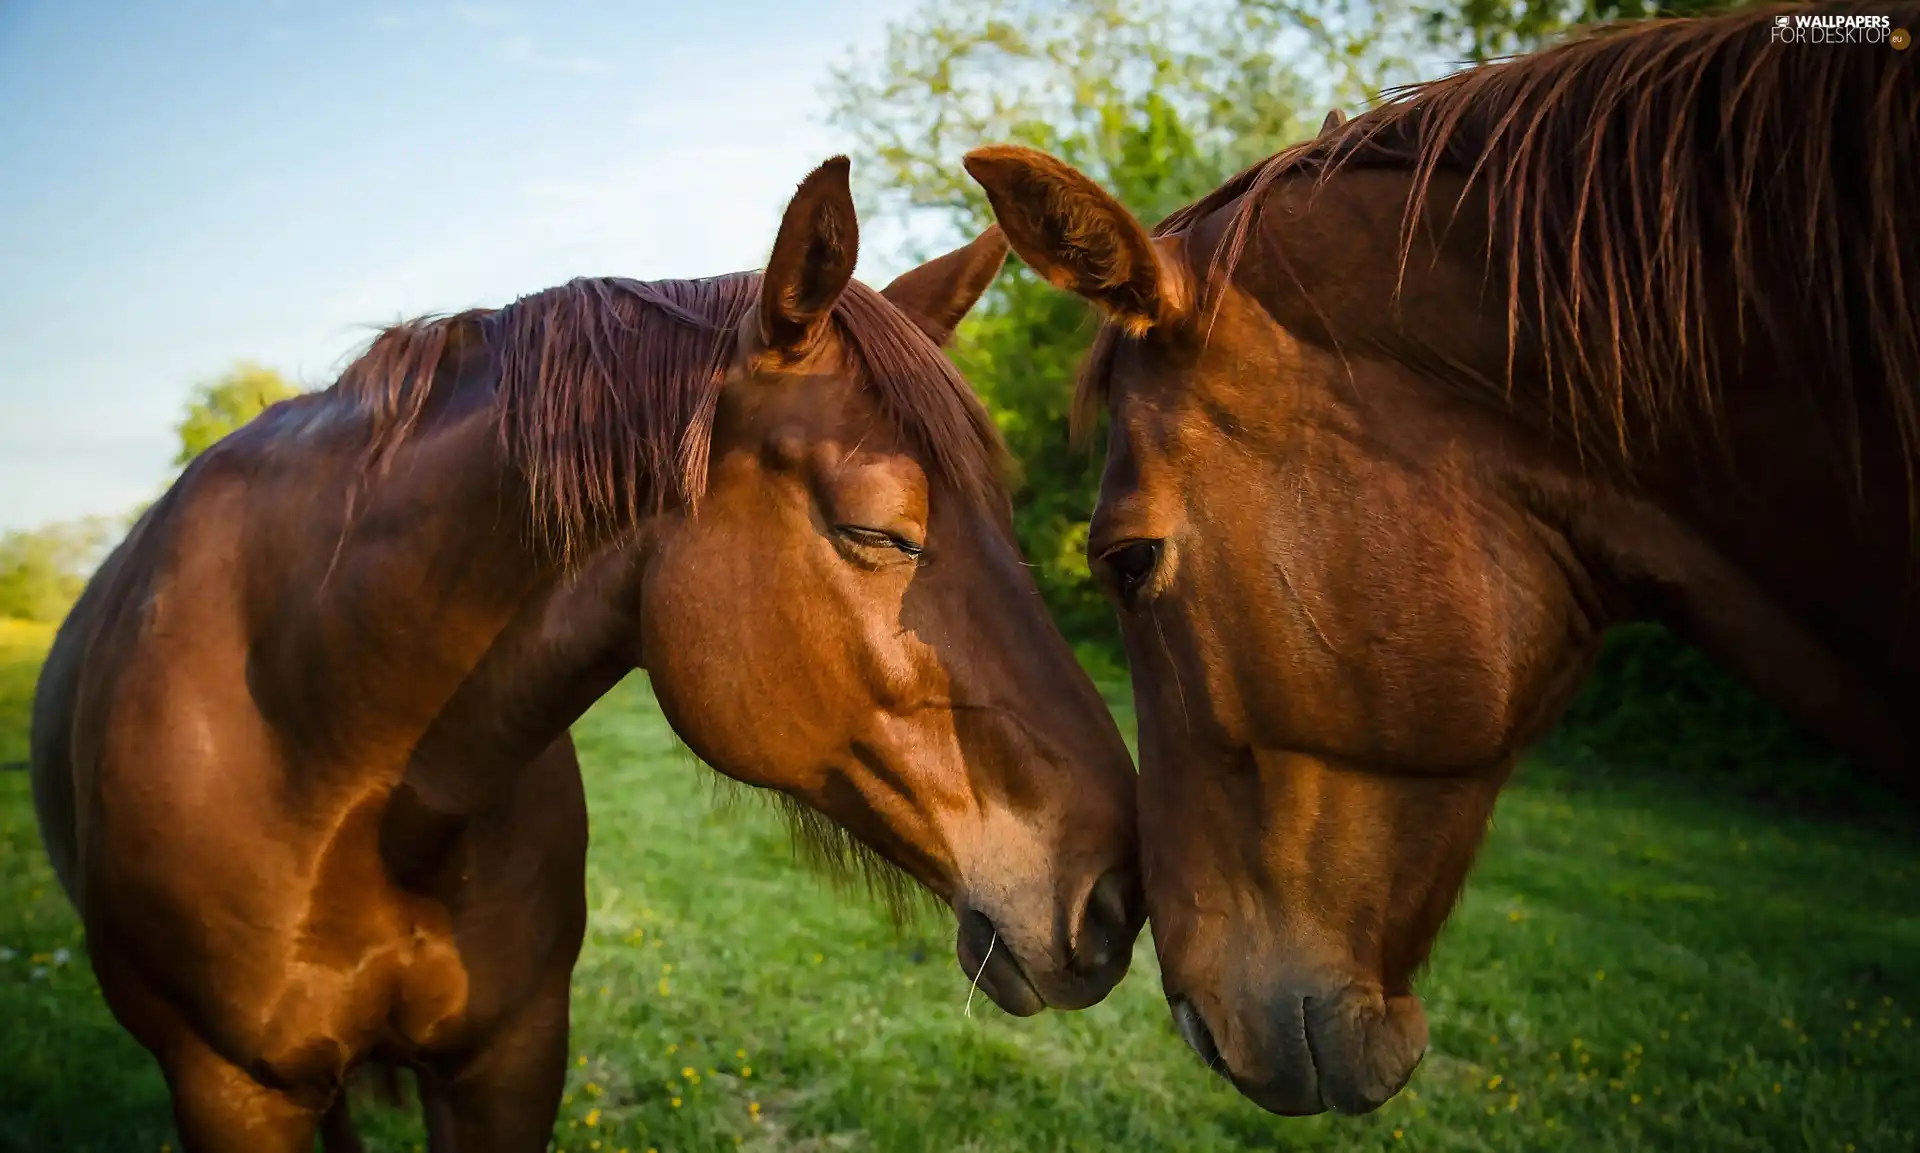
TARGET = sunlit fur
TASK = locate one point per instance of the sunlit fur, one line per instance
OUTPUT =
(1625, 329)
(300, 753)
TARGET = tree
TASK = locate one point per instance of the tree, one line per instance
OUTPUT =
(220, 406)
(1156, 99)
(43, 570)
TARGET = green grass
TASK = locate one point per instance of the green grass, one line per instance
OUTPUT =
(1632, 968)
(22, 643)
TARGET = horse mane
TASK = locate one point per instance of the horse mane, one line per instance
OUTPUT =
(604, 398)
(606, 389)
(1629, 169)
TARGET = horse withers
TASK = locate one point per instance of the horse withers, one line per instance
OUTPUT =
(300, 752)
(1403, 419)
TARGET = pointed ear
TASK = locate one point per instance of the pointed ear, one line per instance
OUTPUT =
(812, 260)
(1076, 235)
(939, 293)
(1335, 119)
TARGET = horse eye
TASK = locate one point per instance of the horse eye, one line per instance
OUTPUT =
(1131, 564)
(879, 538)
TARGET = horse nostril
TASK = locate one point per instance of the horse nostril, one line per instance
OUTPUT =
(1193, 1030)
(978, 934)
(1107, 920)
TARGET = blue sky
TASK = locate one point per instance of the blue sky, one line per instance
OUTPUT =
(187, 183)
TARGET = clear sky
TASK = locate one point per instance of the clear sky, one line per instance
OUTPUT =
(191, 182)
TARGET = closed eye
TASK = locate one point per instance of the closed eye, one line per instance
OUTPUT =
(878, 538)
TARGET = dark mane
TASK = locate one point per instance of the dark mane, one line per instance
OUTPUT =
(606, 389)
(1628, 170)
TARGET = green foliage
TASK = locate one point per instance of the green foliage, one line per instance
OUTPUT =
(43, 570)
(220, 406)
(23, 645)
(1159, 101)
(1658, 708)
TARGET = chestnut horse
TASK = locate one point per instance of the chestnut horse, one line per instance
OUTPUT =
(1403, 419)
(300, 753)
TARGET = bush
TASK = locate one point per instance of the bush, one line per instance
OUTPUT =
(1657, 707)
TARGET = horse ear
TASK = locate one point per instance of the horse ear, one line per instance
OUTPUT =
(812, 260)
(1335, 119)
(1075, 235)
(939, 293)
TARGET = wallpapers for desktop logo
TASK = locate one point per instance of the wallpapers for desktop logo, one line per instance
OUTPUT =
(1828, 28)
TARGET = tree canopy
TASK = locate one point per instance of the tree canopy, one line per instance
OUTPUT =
(219, 406)
(43, 570)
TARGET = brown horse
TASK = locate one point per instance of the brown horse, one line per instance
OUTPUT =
(1405, 417)
(300, 753)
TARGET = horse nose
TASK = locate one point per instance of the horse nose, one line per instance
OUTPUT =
(1109, 923)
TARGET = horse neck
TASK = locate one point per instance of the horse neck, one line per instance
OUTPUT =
(565, 648)
(1743, 528)
(427, 625)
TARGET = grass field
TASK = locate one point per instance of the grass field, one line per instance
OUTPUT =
(1630, 970)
